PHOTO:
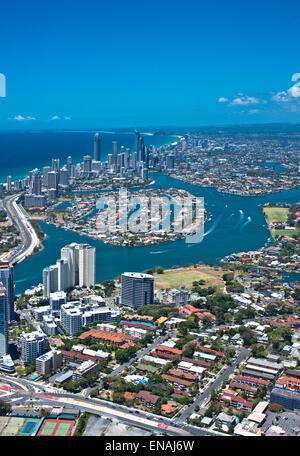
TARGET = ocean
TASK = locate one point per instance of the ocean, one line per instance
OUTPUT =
(23, 151)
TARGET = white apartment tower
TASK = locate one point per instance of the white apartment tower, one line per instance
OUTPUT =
(75, 267)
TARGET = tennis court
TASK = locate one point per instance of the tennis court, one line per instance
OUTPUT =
(64, 429)
(56, 428)
(29, 426)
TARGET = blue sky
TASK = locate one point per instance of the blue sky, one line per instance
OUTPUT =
(96, 63)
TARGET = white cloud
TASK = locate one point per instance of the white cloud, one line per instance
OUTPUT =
(222, 100)
(280, 97)
(243, 100)
(294, 91)
(60, 118)
(20, 118)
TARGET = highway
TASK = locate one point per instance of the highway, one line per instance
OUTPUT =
(29, 237)
(33, 393)
(112, 411)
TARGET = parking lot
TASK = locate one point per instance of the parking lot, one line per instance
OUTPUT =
(289, 421)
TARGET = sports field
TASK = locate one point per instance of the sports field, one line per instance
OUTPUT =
(54, 428)
(177, 278)
(30, 425)
(276, 214)
(10, 426)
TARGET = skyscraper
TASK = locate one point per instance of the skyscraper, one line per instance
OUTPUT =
(33, 345)
(53, 179)
(64, 177)
(137, 289)
(55, 164)
(35, 187)
(136, 141)
(141, 149)
(3, 322)
(71, 318)
(8, 185)
(7, 279)
(86, 263)
(87, 164)
(114, 151)
(46, 170)
(75, 267)
(97, 144)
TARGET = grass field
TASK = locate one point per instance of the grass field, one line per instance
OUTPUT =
(276, 214)
(288, 233)
(10, 426)
(177, 278)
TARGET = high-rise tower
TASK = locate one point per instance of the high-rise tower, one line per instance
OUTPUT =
(97, 144)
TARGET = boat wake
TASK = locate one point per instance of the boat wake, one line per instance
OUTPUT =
(160, 251)
(249, 220)
(214, 225)
(242, 215)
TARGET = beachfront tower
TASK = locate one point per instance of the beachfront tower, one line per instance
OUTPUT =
(97, 144)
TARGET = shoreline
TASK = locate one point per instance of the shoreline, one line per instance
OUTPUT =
(232, 193)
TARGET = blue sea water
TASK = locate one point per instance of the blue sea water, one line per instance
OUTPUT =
(235, 223)
(22, 151)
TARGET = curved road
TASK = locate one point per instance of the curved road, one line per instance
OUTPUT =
(29, 237)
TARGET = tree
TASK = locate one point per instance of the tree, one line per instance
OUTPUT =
(5, 407)
(248, 337)
(228, 276)
(44, 413)
(206, 321)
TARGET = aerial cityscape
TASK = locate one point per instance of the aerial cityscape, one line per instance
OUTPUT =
(149, 261)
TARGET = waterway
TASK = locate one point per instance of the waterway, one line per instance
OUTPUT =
(235, 224)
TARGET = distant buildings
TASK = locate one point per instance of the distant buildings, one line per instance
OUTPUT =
(34, 201)
(75, 267)
(137, 289)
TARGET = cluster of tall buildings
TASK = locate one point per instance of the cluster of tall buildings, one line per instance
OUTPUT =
(120, 163)
(75, 267)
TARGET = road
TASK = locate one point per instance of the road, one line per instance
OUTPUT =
(141, 353)
(112, 411)
(29, 237)
(34, 393)
(215, 385)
